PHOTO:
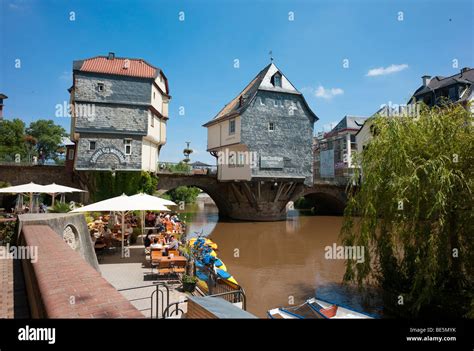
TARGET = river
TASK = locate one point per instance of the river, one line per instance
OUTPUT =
(280, 263)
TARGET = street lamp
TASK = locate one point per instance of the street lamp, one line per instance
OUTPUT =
(186, 152)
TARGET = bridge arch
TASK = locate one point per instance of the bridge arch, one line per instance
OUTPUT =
(207, 184)
(327, 200)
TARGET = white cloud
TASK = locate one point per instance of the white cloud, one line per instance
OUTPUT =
(66, 75)
(382, 71)
(18, 5)
(326, 93)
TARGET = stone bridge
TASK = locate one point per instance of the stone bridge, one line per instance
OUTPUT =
(261, 200)
(264, 200)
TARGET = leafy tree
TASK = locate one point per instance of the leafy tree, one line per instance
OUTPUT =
(414, 213)
(181, 167)
(48, 136)
(12, 133)
(188, 194)
(106, 185)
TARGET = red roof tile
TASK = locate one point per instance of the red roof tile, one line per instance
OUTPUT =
(136, 67)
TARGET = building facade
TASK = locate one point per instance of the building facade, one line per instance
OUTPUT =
(119, 109)
(433, 91)
(333, 151)
(264, 133)
(455, 88)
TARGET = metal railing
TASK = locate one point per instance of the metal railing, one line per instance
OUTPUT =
(235, 296)
(185, 169)
(158, 298)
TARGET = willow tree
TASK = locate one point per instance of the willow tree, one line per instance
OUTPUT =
(411, 208)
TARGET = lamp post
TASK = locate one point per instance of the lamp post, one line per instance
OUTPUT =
(186, 152)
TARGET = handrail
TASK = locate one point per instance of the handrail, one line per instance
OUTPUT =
(169, 313)
(240, 292)
(158, 294)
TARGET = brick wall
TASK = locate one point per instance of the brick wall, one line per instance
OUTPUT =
(60, 276)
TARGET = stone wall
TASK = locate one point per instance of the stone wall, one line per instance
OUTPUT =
(291, 140)
(117, 89)
(17, 175)
(70, 227)
(117, 112)
(113, 118)
(109, 152)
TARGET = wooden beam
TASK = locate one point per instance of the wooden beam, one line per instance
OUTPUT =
(280, 187)
(250, 196)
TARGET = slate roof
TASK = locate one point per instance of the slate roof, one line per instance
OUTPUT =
(243, 100)
(234, 106)
(438, 82)
(350, 122)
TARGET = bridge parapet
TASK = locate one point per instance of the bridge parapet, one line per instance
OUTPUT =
(185, 169)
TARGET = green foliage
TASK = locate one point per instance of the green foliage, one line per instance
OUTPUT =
(303, 203)
(7, 232)
(12, 133)
(189, 279)
(108, 185)
(4, 184)
(60, 207)
(40, 135)
(414, 213)
(48, 136)
(181, 167)
(188, 194)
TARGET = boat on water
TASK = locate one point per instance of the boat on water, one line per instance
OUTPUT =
(210, 270)
(314, 308)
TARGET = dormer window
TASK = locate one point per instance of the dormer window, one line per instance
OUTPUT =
(276, 80)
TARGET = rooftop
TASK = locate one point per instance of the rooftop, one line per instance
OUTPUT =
(466, 76)
(123, 66)
(262, 81)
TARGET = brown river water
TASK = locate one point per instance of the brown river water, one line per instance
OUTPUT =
(280, 263)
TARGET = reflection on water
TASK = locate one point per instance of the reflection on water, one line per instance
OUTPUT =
(279, 263)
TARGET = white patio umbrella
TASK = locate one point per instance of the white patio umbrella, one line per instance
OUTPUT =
(122, 204)
(30, 188)
(150, 201)
(54, 189)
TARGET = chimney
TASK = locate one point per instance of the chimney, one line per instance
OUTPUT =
(111, 56)
(426, 80)
(465, 69)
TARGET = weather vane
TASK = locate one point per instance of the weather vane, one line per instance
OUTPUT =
(271, 55)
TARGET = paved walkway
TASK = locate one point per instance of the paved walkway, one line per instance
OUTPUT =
(135, 271)
(13, 302)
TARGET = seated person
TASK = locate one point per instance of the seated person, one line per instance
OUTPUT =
(173, 243)
(156, 244)
(147, 240)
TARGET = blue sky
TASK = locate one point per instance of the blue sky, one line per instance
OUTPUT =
(398, 40)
